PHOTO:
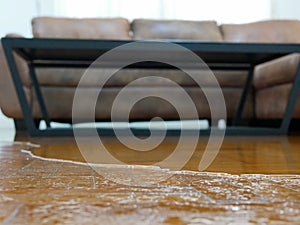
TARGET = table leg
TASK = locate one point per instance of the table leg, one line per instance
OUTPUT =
(284, 127)
(39, 95)
(243, 98)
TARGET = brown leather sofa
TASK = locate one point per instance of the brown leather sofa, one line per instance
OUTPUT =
(272, 80)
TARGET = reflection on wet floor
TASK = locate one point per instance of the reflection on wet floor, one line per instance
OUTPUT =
(271, 155)
(53, 191)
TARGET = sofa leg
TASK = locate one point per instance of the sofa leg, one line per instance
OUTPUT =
(20, 124)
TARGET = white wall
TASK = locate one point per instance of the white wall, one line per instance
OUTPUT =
(285, 9)
(5, 122)
(16, 15)
(229, 11)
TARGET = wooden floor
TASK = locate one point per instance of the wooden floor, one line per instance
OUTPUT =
(252, 180)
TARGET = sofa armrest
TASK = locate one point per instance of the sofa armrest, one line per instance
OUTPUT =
(9, 102)
(276, 72)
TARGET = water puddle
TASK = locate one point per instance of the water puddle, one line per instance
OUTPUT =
(138, 192)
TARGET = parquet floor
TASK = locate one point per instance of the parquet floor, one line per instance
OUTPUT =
(252, 180)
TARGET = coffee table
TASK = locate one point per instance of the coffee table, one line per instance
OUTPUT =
(45, 52)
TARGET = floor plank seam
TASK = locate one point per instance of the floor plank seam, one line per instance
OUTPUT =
(93, 178)
(24, 167)
(9, 219)
(55, 171)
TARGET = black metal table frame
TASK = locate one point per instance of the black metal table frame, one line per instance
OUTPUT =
(11, 45)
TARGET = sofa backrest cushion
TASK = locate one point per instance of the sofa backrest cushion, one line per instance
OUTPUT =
(99, 28)
(176, 29)
(275, 31)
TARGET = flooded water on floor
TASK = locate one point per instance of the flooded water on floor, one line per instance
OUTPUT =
(242, 156)
(52, 184)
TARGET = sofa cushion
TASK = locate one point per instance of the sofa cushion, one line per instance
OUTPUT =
(275, 31)
(110, 28)
(147, 108)
(176, 29)
(69, 77)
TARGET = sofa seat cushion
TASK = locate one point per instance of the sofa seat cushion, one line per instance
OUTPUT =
(99, 28)
(175, 29)
(59, 102)
(151, 77)
(273, 31)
